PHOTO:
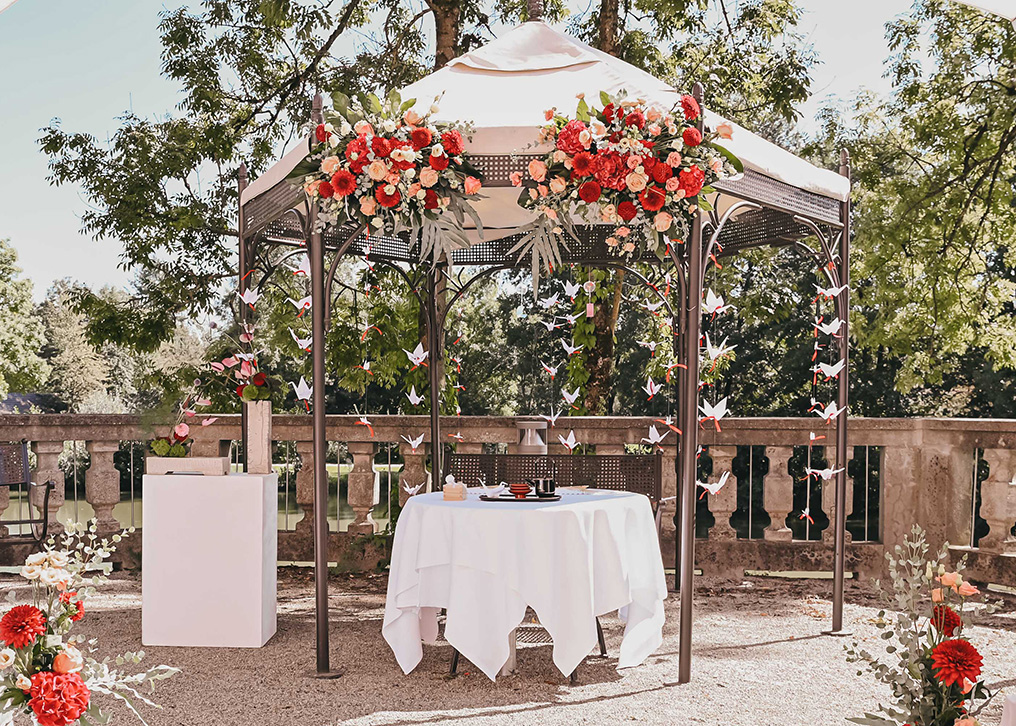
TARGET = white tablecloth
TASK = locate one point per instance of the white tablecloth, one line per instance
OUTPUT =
(588, 554)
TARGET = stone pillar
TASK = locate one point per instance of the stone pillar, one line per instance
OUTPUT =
(724, 502)
(778, 493)
(259, 437)
(998, 501)
(305, 487)
(901, 471)
(669, 488)
(209, 447)
(361, 486)
(469, 447)
(414, 471)
(102, 483)
(47, 468)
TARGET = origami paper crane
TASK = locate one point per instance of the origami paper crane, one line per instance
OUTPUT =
(414, 443)
(713, 413)
(365, 368)
(414, 397)
(548, 302)
(303, 304)
(829, 371)
(672, 366)
(651, 387)
(831, 328)
(806, 514)
(413, 490)
(716, 352)
(417, 356)
(303, 391)
(830, 412)
(653, 307)
(570, 318)
(364, 422)
(304, 343)
(828, 292)
(571, 396)
(457, 436)
(571, 289)
(552, 418)
(570, 350)
(551, 326)
(669, 423)
(713, 487)
(714, 304)
(458, 363)
(367, 329)
(569, 443)
(250, 296)
(552, 370)
(303, 268)
(826, 474)
(655, 437)
(650, 345)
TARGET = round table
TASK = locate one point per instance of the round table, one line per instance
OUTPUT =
(591, 553)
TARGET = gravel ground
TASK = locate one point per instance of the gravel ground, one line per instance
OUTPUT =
(758, 660)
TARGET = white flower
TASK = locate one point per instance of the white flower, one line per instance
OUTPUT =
(409, 173)
(31, 572)
(333, 140)
(53, 577)
(388, 125)
(23, 682)
(38, 558)
(345, 128)
(677, 144)
(434, 108)
(437, 150)
(6, 658)
(58, 559)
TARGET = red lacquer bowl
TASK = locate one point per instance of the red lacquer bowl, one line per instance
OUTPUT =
(520, 490)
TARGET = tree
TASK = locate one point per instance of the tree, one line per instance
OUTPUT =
(21, 334)
(76, 369)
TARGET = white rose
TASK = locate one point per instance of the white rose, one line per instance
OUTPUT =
(388, 125)
(344, 128)
(58, 559)
(39, 558)
(50, 577)
(437, 150)
(677, 144)
(23, 682)
(31, 572)
(333, 140)
(6, 659)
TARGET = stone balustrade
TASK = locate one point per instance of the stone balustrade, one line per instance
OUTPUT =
(925, 469)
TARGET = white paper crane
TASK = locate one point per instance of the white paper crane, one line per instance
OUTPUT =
(712, 412)
(365, 368)
(570, 350)
(570, 319)
(714, 304)
(828, 292)
(655, 437)
(413, 490)
(570, 396)
(302, 305)
(414, 443)
(552, 370)
(458, 363)
(250, 296)
(551, 326)
(653, 307)
(713, 487)
(457, 436)
(830, 412)
(304, 267)
(548, 302)
(806, 514)
(303, 391)
(569, 443)
(651, 388)
(650, 345)
(552, 418)
(830, 371)
(812, 437)
(571, 289)
(304, 343)
(414, 398)
(831, 328)
(417, 356)
(491, 491)
(364, 422)
(826, 474)
(715, 352)
(669, 423)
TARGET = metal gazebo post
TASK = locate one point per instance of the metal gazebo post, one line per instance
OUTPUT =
(244, 264)
(689, 425)
(316, 253)
(435, 329)
(843, 311)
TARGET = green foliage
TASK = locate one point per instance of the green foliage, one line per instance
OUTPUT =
(21, 333)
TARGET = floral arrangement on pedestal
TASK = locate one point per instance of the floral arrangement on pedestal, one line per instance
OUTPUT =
(244, 375)
(178, 442)
(933, 670)
(47, 675)
(384, 166)
(629, 164)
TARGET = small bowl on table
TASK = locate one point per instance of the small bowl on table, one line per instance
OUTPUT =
(520, 490)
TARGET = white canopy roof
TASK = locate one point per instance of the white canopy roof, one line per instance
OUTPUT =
(1005, 8)
(504, 87)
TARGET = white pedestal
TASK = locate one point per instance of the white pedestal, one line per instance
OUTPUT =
(209, 550)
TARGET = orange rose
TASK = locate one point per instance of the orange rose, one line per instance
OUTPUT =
(472, 185)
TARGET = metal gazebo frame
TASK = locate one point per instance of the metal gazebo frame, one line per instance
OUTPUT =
(764, 212)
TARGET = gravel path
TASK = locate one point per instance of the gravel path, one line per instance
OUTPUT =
(758, 660)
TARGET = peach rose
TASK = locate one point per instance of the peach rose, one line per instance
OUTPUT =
(950, 579)
(629, 247)
(653, 114)
(585, 138)
(966, 721)
(608, 213)
(613, 242)
(70, 661)
(635, 182)
(472, 185)
(368, 205)
(330, 165)
(936, 595)
(428, 177)
(537, 170)
(559, 156)
(393, 177)
(542, 189)
(516, 178)
(672, 184)
(634, 162)
(673, 159)
(598, 128)
(551, 213)
(362, 127)
(716, 165)
(413, 190)
(557, 185)
(654, 129)
(623, 231)
(410, 118)
(662, 221)
(967, 590)
(533, 194)
(724, 130)
(549, 113)
(377, 170)
(312, 187)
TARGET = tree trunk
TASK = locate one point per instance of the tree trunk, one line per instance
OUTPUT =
(608, 24)
(601, 357)
(447, 28)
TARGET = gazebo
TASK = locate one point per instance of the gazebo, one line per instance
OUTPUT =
(503, 88)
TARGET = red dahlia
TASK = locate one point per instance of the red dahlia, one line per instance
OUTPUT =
(452, 142)
(430, 199)
(568, 137)
(636, 119)
(608, 112)
(381, 146)
(692, 136)
(690, 107)
(946, 620)
(582, 163)
(325, 190)
(321, 133)
(58, 699)
(589, 191)
(691, 180)
(79, 611)
(439, 163)
(357, 148)
(652, 199)
(626, 211)
(955, 660)
(343, 183)
(385, 199)
(420, 137)
(21, 625)
(661, 172)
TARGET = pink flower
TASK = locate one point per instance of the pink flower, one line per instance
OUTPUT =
(628, 247)
(967, 590)
(472, 185)
(653, 113)
(613, 242)
(181, 431)
(542, 189)
(551, 213)
(557, 185)
(312, 187)
(674, 159)
(548, 115)
(516, 178)
(368, 205)
(209, 421)
(246, 370)
(672, 184)
(216, 366)
(363, 128)
(377, 170)
(724, 130)
(537, 170)
(662, 221)
(230, 361)
(950, 579)
(654, 129)
(413, 190)
(634, 161)
(330, 165)
(936, 595)
(716, 165)
(428, 177)
(635, 182)
(411, 118)
(623, 231)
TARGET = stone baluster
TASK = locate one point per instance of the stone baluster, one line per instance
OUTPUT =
(829, 502)
(305, 487)
(360, 491)
(5, 501)
(998, 501)
(102, 483)
(669, 488)
(414, 470)
(210, 447)
(778, 493)
(724, 502)
(47, 468)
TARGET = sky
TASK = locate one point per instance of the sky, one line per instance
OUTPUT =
(87, 63)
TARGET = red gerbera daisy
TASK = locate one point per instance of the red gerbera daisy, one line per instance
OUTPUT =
(955, 660)
(21, 625)
(343, 183)
(652, 199)
(946, 620)
(582, 163)
(325, 190)
(381, 146)
(384, 198)
(452, 142)
(58, 699)
(420, 137)
(589, 191)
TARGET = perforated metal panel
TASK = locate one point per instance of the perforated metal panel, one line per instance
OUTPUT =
(14, 464)
(781, 196)
(638, 473)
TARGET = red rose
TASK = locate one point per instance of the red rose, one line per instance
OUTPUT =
(590, 191)
(321, 134)
(239, 390)
(692, 136)
(690, 107)
(661, 172)
(691, 180)
(343, 183)
(325, 190)
(385, 199)
(381, 146)
(636, 119)
(611, 170)
(946, 620)
(259, 379)
(648, 162)
(955, 660)
(430, 199)
(452, 142)
(568, 137)
(58, 699)
(626, 211)
(420, 137)
(582, 163)
(652, 199)
(356, 154)
(439, 163)
(608, 112)
(20, 626)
